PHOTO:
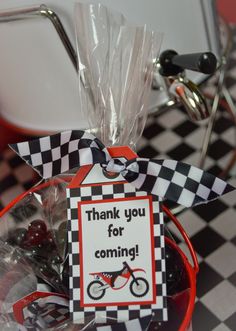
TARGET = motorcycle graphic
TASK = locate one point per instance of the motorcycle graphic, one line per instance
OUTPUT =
(117, 280)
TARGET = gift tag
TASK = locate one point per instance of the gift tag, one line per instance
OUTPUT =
(116, 247)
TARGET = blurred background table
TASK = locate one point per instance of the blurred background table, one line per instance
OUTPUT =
(212, 228)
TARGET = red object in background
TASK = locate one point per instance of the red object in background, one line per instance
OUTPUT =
(8, 135)
(227, 9)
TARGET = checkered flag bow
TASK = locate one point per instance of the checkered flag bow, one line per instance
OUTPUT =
(173, 180)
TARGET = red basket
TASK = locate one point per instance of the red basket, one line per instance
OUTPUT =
(191, 270)
(185, 302)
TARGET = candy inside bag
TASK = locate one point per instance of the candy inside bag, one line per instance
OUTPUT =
(41, 240)
(22, 306)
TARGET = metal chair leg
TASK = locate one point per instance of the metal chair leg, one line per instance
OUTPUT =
(216, 100)
(230, 102)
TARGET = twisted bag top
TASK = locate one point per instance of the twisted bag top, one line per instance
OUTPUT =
(177, 181)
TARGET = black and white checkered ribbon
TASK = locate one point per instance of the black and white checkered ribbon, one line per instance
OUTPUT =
(137, 324)
(42, 316)
(173, 180)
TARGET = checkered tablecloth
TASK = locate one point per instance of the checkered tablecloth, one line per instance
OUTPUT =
(15, 177)
(212, 228)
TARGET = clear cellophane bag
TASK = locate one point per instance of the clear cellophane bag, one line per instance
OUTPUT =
(115, 70)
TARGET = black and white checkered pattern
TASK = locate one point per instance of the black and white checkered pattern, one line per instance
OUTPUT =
(56, 154)
(48, 316)
(173, 180)
(138, 324)
(176, 181)
(113, 191)
(55, 314)
(15, 177)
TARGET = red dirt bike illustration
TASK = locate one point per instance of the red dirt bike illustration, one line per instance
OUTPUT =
(116, 280)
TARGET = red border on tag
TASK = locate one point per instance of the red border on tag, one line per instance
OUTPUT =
(19, 306)
(153, 301)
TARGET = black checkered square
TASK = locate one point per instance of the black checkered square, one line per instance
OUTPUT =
(55, 314)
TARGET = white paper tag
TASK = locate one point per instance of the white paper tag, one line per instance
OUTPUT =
(116, 250)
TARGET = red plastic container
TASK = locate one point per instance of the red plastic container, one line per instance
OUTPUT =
(184, 301)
